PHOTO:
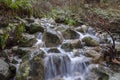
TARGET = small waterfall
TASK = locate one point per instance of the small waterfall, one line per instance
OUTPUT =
(65, 66)
(57, 65)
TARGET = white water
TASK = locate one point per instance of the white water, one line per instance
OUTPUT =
(64, 65)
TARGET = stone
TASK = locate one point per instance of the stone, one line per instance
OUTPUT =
(53, 50)
(67, 47)
(52, 38)
(34, 28)
(97, 73)
(82, 29)
(71, 44)
(32, 69)
(4, 70)
(90, 42)
(118, 48)
(61, 27)
(27, 40)
(22, 51)
(96, 56)
(70, 34)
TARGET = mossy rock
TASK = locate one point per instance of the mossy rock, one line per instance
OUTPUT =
(34, 28)
(52, 38)
(70, 34)
(27, 40)
(32, 69)
(90, 42)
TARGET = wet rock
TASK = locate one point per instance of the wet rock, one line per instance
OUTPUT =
(90, 42)
(23, 72)
(76, 43)
(70, 34)
(118, 48)
(97, 73)
(30, 20)
(52, 38)
(82, 29)
(61, 27)
(71, 44)
(22, 51)
(114, 66)
(53, 50)
(96, 57)
(67, 47)
(115, 76)
(37, 68)
(4, 70)
(27, 40)
(32, 69)
(34, 28)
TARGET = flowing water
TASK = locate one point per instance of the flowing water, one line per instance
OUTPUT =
(65, 65)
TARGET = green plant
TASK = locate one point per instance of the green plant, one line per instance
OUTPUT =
(3, 39)
(20, 30)
(19, 5)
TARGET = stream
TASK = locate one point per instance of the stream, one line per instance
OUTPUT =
(66, 59)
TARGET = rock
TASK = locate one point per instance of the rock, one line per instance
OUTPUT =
(70, 34)
(118, 48)
(32, 69)
(72, 44)
(61, 27)
(34, 28)
(114, 66)
(30, 20)
(24, 70)
(115, 76)
(97, 73)
(67, 47)
(52, 38)
(22, 51)
(4, 70)
(76, 43)
(1, 31)
(37, 68)
(90, 42)
(96, 57)
(60, 19)
(27, 40)
(53, 50)
(82, 29)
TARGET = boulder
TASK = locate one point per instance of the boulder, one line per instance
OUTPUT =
(31, 68)
(70, 34)
(4, 70)
(22, 51)
(82, 29)
(118, 48)
(90, 42)
(34, 28)
(96, 57)
(53, 50)
(97, 73)
(52, 38)
(27, 40)
(67, 47)
(71, 44)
